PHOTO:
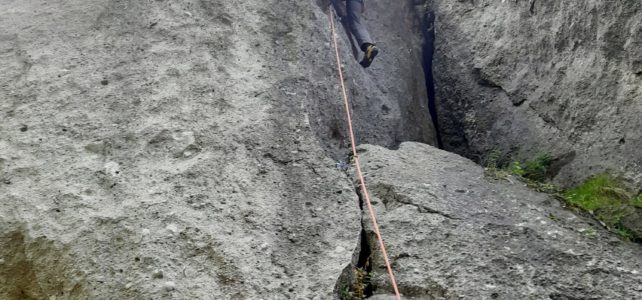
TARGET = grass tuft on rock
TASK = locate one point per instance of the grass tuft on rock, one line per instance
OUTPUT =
(605, 197)
(597, 192)
(535, 169)
(637, 202)
(493, 166)
(533, 172)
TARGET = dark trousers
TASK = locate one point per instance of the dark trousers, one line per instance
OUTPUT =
(352, 10)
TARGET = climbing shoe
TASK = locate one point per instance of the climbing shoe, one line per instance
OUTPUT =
(370, 54)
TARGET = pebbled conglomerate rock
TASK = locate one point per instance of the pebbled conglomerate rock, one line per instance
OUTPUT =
(453, 233)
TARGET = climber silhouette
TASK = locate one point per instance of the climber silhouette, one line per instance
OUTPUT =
(350, 12)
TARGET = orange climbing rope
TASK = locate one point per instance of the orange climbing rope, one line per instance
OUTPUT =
(357, 164)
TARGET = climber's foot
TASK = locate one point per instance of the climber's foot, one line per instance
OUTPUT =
(370, 54)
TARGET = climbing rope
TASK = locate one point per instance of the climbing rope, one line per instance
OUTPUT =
(362, 182)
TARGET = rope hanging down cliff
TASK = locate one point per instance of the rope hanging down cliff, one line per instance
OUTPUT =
(357, 163)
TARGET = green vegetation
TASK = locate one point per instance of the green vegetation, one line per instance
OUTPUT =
(534, 172)
(358, 289)
(637, 201)
(493, 166)
(345, 294)
(603, 196)
(535, 169)
(606, 198)
(598, 192)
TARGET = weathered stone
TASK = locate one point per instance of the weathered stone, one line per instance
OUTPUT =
(632, 221)
(525, 77)
(188, 150)
(452, 233)
(389, 99)
(191, 137)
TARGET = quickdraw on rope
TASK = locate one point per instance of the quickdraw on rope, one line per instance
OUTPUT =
(357, 164)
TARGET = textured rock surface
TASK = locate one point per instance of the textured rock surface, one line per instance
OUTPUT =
(179, 150)
(524, 77)
(153, 150)
(185, 150)
(454, 234)
(388, 99)
(157, 149)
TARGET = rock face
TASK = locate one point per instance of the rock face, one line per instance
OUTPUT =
(187, 150)
(523, 77)
(389, 99)
(453, 234)
(179, 150)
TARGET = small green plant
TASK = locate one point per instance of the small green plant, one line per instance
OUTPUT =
(362, 279)
(637, 202)
(535, 169)
(597, 192)
(345, 294)
(517, 169)
(492, 166)
(605, 197)
(624, 232)
(492, 159)
(534, 172)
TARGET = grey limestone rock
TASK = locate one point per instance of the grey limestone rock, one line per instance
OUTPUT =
(523, 77)
(452, 233)
(185, 149)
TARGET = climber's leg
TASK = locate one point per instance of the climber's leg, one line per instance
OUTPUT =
(340, 8)
(355, 9)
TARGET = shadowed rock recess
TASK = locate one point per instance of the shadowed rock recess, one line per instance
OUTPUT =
(527, 77)
(188, 150)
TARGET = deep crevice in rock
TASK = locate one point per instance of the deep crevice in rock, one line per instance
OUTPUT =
(364, 260)
(363, 251)
(428, 30)
(361, 260)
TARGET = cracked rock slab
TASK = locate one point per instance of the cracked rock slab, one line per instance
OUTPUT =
(452, 233)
